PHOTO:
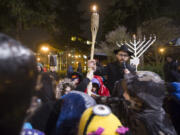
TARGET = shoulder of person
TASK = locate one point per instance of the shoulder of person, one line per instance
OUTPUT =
(112, 64)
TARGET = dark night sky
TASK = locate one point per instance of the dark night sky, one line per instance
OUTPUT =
(36, 36)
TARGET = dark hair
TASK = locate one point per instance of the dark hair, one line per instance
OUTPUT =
(45, 87)
(63, 84)
(95, 85)
(17, 77)
(66, 85)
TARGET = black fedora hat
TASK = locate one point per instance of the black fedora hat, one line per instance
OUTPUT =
(124, 49)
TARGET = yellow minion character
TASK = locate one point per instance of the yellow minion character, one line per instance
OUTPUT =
(99, 120)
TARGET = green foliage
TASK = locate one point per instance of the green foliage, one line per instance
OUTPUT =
(24, 14)
(132, 13)
(68, 23)
(165, 30)
(157, 68)
(61, 18)
(118, 35)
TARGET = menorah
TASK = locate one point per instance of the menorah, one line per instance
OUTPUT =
(138, 48)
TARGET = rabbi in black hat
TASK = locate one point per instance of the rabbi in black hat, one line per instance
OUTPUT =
(116, 70)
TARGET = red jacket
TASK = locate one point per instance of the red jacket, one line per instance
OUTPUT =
(103, 90)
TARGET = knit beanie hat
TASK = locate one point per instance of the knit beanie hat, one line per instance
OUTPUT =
(94, 80)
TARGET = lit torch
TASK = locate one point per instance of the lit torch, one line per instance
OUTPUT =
(94, 28)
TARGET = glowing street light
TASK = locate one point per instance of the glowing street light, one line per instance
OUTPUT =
(162, 50)
(38, 59)
(84, 56)
(73, 38)
(69, 55)
(44, 48)
(88, 42)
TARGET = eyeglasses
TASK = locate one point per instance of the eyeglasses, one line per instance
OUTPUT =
(123, 55)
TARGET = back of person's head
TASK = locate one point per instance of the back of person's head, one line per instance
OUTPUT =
(178, 67)
(144, 92)
(73, 105)
(45, 87)
(147, 87)
(17, 77)
(39, 67)
(169, 58)
(76, 77)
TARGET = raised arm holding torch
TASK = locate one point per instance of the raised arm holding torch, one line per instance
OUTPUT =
(94, 30)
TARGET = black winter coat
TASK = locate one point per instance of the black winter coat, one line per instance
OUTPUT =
(114, 72)
(169, 69)
(149, 118)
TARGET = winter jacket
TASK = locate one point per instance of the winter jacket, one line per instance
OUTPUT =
(143, 112)
(176, 93)
(69, 71)
(83, 85)
(172, 105)
(103, 91)
(79, 69)
(176, 75)
(151, 120)
(169, 68)
(114, 72)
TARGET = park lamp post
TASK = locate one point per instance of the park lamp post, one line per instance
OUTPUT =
(162, 50)
(94, 28)
(44, 48)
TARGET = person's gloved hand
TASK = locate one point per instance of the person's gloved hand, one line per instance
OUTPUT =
(92, 65)
(126, 71)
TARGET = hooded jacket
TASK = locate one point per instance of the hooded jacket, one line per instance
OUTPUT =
(114, 72)
(103, 90)
(143, 113)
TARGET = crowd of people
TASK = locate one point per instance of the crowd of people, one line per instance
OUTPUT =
(111, 100)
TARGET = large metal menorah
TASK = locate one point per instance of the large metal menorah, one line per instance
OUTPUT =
(138, 48)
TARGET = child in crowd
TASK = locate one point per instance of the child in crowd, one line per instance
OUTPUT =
(76, 78)
(93, 85)
(64, 87)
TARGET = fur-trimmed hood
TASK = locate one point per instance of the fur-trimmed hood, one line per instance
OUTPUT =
(142, 109)
(148, 87)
